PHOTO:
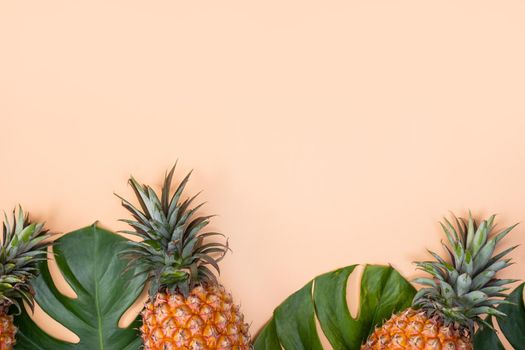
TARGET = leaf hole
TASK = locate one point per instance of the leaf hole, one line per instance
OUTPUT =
(353, 290)
(57, 277)
(49, 325)
(324, 340)
(134, 310)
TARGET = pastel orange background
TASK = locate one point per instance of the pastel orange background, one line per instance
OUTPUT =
(324, 133)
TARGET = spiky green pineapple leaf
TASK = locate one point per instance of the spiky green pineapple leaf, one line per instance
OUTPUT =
(383, 292)
(22, 247)
(466, 288)
(88, 260)
(174, 252)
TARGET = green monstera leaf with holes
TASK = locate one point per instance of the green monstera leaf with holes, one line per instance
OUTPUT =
(88, 259)
(293, 325)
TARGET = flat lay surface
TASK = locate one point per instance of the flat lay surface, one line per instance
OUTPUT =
(324, 134)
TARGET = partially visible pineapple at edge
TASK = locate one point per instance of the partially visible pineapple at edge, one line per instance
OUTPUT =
(187, 307)
(460, 292)
(23, 246)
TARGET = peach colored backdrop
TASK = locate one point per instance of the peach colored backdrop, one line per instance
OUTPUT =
(324, 133)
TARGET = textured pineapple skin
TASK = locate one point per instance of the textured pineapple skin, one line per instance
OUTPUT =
(412, 330)
(7, 332)
(206, 319)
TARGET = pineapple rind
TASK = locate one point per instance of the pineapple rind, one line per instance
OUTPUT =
(206, 319)
(412, 329)
(7, 332)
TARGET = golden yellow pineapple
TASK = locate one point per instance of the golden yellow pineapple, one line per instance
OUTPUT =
(7, 331)
(206, 319)
(187, 307)
(22, 248)
(456, 297)
(412, 329)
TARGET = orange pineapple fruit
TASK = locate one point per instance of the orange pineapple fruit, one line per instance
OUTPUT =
(456, 297)
(187, 307)
(7, 331)
(206, 319)
(412, 329)
(22, 247)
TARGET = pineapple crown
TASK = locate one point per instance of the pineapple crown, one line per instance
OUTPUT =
(173, 252)
(22, 248)
(465, 289)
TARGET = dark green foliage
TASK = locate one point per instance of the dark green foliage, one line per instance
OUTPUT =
(512, 325)
(487, 339)
(383, 292)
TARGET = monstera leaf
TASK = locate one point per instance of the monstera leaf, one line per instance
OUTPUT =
(487, 339)
(88, 261)
(512, 326)
(293, 326)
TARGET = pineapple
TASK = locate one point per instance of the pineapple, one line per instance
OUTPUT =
(22, 248)
(457, 295)
(187, 307)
